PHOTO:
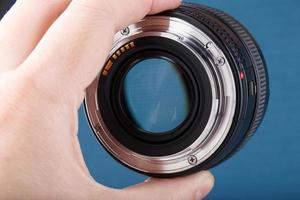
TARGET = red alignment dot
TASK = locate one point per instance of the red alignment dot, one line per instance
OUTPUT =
(242, 75)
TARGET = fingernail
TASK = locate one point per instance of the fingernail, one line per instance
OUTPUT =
(206, 185)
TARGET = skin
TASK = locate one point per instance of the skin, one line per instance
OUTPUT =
(50, 51)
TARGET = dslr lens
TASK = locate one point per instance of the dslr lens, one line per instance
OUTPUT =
(156, 95)
(181, 91)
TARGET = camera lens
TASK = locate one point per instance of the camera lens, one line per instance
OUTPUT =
(156, 95)
(181, 91)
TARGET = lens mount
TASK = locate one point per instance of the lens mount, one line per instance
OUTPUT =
(224, 89)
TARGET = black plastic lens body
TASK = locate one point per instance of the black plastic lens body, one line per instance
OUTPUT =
(222, 92)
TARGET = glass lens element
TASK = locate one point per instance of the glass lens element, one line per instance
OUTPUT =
(156, 95)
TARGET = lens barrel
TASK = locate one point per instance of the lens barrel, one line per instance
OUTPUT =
(181, 92)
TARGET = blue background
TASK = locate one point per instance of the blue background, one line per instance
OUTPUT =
(268, 166)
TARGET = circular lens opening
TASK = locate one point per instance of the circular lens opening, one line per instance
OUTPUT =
(156, 95)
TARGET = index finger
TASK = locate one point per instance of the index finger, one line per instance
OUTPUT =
(76, 46)
(22, 28)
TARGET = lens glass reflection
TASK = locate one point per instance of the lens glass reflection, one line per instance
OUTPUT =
(156, 95)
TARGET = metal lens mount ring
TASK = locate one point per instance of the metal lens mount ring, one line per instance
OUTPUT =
(223, 97)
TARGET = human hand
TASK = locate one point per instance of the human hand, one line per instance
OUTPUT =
(50, 51)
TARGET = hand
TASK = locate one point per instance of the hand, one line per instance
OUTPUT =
(50, 51)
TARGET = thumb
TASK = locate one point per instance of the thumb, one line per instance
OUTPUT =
(194, 187)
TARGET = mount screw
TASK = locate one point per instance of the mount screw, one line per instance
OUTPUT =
(220, 61)
(192, 160)
(125, 31)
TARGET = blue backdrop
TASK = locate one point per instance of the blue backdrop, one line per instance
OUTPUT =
(268, 166)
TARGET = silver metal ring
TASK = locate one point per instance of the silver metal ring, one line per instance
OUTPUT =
(223, 101)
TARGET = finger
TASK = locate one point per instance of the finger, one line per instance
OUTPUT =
(192, 187)
(72, 52)
(134, 13)
(22, 28)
